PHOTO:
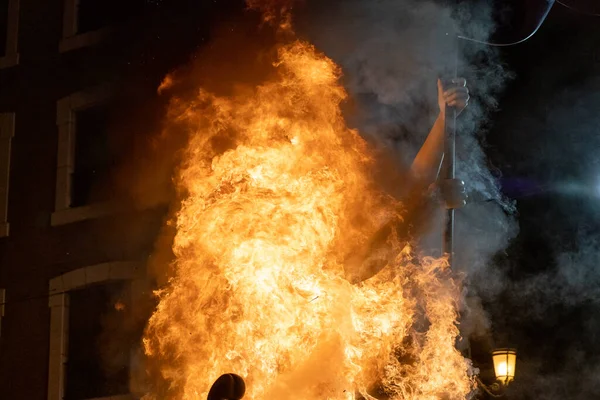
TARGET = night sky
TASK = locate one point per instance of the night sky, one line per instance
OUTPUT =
(545, 142)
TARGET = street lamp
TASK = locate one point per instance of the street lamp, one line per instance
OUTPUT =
(505, 361)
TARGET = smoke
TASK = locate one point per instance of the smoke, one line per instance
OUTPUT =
(559, 312)
(550, 306)
(392, 53)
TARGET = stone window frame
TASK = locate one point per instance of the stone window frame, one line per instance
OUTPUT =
(58, 302)
(11, 58)
(7, 132)
(71, 39)
(2, 307)
(66, 110)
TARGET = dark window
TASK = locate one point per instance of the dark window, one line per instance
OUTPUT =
(96, 14)
(3, 26)
(99, 346)
(94, 156)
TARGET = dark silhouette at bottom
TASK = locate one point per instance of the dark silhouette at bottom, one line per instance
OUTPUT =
(227, 387)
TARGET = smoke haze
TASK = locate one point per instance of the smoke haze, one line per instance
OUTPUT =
(391, 53)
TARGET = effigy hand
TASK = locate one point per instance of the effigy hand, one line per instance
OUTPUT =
(455, 95)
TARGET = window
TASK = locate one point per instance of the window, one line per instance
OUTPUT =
(7, 131)
(89, 307)
(86, 22)
(99, 352)
(93, 155)
(85, 156)
(9, 26)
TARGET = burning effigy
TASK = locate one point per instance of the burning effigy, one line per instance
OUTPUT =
(276, 193)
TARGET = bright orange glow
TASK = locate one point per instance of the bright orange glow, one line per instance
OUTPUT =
(277, 192)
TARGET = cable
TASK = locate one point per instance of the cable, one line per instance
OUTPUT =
(535, 30)
(577, 10)
(518, 42)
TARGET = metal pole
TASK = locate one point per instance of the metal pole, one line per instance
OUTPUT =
(449, 163)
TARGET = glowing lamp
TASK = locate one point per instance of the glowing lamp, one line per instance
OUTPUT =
(505, 361)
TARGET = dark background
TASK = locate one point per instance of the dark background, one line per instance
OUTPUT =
(545, 142)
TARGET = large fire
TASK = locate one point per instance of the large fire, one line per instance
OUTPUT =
(277, 194)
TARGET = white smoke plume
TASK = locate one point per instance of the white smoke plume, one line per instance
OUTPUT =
(392, 53)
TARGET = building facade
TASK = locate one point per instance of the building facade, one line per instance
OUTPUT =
(78, 83)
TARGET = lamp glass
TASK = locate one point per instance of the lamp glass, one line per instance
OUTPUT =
(505, 362)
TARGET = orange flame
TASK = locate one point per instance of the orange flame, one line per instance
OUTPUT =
(274, 187)
(272, 10)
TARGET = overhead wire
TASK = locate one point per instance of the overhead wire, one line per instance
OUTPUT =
(570, 7)
(541, 21)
